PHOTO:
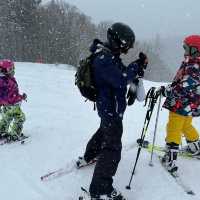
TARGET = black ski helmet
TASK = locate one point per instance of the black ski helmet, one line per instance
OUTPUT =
(121, 36)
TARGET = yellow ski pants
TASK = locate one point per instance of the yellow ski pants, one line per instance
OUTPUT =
(179, 125)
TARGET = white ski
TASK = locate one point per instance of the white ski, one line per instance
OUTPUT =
(69, 168)
(177, 177)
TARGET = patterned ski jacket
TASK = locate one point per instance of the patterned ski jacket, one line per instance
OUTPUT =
(183, 95)
(9, 93)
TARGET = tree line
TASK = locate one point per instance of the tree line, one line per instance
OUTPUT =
(57, 32)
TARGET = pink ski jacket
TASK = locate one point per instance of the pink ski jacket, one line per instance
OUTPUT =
(9, 92)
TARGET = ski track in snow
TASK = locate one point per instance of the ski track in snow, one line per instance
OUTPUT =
(60, 123)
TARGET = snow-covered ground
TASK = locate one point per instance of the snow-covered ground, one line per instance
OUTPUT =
(60, 123)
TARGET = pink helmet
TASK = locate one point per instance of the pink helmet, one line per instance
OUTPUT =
(6, 66)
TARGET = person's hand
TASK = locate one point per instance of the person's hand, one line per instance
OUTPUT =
(161, 91)
(142, 62)
(131, 96)
(141, 72)
(24, 96)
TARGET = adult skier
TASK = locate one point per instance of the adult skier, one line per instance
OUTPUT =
(111, 79)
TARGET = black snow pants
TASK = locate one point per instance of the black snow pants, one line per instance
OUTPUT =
(105, 145)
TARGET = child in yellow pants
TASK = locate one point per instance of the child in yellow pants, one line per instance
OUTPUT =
(183, 103)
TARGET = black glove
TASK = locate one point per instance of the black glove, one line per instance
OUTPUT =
(142, 62)
(94, 44)
(161, 91)
(97, 41)
(143, 59)
(24, 95)
(131, 96)
(140, 72)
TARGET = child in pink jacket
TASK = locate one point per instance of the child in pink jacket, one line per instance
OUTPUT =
(13, 118)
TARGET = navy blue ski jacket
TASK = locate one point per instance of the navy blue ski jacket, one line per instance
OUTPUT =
(111, 77)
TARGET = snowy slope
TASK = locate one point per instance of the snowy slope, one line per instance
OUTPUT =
(60, 124)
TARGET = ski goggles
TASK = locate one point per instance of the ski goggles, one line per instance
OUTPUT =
(10, 72)
(191, 51)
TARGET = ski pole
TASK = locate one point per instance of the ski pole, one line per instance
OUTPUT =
(150, 96)
(155, 130)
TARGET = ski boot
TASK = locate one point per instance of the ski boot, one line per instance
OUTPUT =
(12, 138)
(81, 162)
(3, 135)
(194, 148)
(15, 137)
(114, 195)
(170, 158)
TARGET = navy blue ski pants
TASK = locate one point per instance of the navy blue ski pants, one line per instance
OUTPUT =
(105, 145)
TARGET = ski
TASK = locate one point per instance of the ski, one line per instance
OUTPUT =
(21, 140)
(177, 177)
(69, 168)
(182, 152)
(59, 172)
(85, 196)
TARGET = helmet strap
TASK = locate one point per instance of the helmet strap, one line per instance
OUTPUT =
(191, 51)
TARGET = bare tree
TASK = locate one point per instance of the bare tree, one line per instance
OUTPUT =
(59, 33)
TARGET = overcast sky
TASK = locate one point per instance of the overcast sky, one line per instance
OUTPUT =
(146, 17)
